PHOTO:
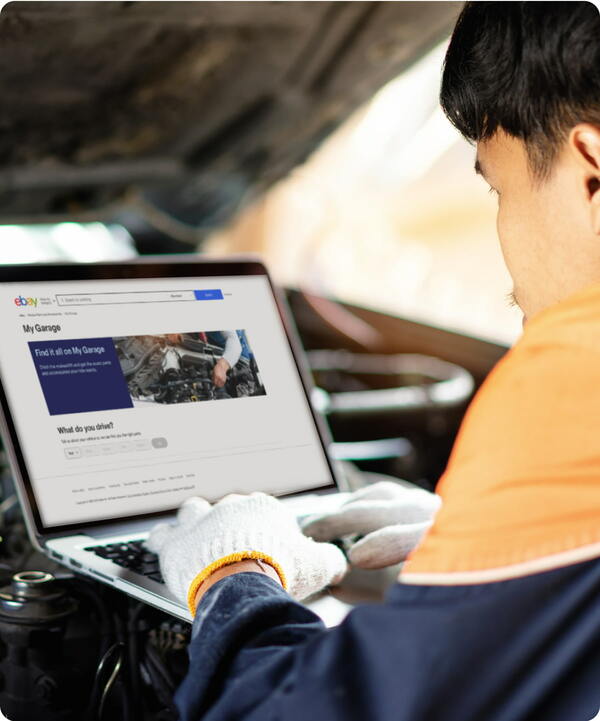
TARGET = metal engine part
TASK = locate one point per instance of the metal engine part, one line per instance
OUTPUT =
(141, 360)
(160, 371)
(45, 673)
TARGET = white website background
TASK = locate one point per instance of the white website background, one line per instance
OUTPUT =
(210, 448)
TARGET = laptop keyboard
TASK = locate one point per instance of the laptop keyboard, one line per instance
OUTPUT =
(132, 555)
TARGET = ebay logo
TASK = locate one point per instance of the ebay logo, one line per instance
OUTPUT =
(20, 301)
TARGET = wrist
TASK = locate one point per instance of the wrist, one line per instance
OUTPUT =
(247, 566)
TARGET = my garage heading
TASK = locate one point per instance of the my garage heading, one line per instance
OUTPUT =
(37, 328)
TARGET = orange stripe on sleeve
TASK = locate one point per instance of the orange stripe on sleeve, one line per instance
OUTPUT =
(523, 480)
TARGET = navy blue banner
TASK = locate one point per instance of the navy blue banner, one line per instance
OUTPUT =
(80, 375)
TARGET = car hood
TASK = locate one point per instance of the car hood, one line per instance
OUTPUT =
(185, 108)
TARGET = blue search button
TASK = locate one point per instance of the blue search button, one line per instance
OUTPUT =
(215, 294)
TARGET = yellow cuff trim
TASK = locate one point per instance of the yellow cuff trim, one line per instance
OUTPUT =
(227, 561)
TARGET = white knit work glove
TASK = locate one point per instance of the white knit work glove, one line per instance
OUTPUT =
(387, 518)
(258, 526)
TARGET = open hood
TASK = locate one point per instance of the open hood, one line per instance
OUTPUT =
(182, 109)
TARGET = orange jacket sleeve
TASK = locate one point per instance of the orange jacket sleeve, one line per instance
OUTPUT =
(522, 488)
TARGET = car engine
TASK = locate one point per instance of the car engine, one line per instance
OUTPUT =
(162, 371)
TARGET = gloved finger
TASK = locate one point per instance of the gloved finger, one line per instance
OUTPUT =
(321, 565)
(371, 478)
(231, 498)
(192, 510)
(335, 562)
(354, 519)
(256, 499)
(383, 490)
(158, 537)
(407, 492)
(387, 546)
(364, 517)
(415, 506)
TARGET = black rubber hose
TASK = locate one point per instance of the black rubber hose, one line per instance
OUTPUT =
(133, 654)
(126, 696)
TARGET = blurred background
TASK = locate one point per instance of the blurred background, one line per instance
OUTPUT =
(389, 214)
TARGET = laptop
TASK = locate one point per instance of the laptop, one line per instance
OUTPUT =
(127, 388)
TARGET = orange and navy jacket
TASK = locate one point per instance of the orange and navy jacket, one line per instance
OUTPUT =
(497, 613)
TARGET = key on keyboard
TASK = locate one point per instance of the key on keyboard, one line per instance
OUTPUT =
(132, 555)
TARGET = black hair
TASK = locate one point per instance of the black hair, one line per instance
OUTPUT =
(529, 68)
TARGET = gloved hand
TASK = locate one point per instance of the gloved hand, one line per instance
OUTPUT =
(390, 519)
(236, 528)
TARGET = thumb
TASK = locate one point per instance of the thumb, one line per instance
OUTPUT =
(321, 565)
(335, 562)
(158, 536)
(192, 510)
(326, 561)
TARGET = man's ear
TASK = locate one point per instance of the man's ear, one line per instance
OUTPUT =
(584, 144)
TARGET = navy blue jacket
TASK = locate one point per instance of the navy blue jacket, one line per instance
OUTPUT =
(516, 650)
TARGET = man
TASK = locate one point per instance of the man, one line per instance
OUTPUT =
(232, 351)
(497, 613)
(232, 346)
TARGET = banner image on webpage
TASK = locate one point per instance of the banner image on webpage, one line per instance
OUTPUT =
(188, 367)
(97, 374)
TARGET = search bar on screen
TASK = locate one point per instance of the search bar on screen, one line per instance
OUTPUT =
(152, 296)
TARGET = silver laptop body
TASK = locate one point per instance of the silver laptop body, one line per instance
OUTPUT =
(112, 415)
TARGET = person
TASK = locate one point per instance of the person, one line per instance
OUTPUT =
(231, 343)
(496, 616)
(229, 340)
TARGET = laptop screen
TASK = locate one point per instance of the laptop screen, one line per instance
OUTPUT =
(128, 396)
